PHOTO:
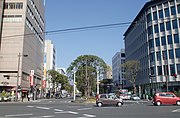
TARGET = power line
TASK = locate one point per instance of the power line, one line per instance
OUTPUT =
(94, 27)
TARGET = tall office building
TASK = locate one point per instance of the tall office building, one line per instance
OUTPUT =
(22, 36)
(49, 62)
(118, 71)
(153, 40)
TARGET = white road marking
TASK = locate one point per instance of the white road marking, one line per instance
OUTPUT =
(42, 117)
(90, 116)
(70, 112)
(15, 115)
(177, 110)
(43, 108)
(84, 109)
(30, 106)
(58, 110)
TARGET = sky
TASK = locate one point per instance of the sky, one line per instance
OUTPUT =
(102, 42)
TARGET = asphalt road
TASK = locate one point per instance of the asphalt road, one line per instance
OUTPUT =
(65, 109)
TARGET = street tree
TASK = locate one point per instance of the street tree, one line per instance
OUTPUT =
(131, 71)
(58, 78)
(86, 72)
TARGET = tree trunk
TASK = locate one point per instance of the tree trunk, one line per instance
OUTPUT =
(134, 87)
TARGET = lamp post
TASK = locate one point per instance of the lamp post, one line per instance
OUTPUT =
(74, 85)
(97, 82)
(17, 84)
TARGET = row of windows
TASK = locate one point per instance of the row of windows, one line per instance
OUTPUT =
(166, 69)
(163, 55)
(36, 11)
(163, 40)
(29, 11)
(162, 14)
(12, 18)
(169, 25)
(14, 5)
(28, 23)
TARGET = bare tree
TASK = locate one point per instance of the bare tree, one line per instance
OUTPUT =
(131, 70)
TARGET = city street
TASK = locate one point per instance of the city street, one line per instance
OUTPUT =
(63, 108)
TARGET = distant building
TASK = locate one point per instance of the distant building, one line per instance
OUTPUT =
(153, 39)
(117, 69)
(22, 30)
(49, 62)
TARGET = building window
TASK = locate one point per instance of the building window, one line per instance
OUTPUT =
(160, 13)
(155, 15)
(172, 69)
(173, 10)
(171, 54)
(162, 29)
(166, 12)
(156, 29)
(166, 71)
(149, 18)
(178, 68)
(176, 38)
(174, 24)
(178, 8)
(151, 44)
(157, 42)
(152, 70)
(14, 5)
(152, 57)
(150, 31)
(177, 51)
(163, 40)
(169, 38)
(164, 54)
(159, 69)
(168, 25)
(158, 55)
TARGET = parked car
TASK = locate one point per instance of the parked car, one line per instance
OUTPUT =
(166, 98)
(108, 99)
(135, 97)
(125, 96)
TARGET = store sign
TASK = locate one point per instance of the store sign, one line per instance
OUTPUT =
(31, 80)
(44, 83)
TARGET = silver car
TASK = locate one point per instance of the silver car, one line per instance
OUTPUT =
(108, 99)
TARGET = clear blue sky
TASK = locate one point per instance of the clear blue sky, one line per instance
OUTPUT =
(104, 43)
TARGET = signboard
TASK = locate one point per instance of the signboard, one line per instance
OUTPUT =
(31, 80)
(31, 77)
(44, 83)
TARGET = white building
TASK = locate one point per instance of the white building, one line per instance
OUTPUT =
(49, 62)
(117, 69)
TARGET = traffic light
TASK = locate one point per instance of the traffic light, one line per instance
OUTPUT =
(175, 76)
(7, 76)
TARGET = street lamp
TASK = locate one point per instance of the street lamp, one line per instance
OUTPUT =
(17, 84)
(97, 82)
(74, 84)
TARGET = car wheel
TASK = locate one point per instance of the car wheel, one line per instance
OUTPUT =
(178, 103)
(99, 104)
(158, 103)
(119, 104)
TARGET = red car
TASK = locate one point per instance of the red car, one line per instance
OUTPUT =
(166, 98)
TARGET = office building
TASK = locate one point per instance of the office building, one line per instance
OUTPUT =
(22, 30)
(49, 62)
(153, 40)
(118, 71)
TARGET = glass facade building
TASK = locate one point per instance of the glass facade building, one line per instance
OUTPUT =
(154, 40)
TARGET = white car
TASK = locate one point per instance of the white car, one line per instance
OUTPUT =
(135, 97)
